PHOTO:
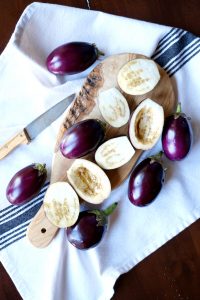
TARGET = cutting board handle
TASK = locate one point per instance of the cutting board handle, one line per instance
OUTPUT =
(41, 231)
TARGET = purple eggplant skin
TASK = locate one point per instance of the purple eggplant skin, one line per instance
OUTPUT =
(82, 138)
(146, 182)
(26, 184)
(72, 58)
(90, 227)
(85, 233)
(177, 136)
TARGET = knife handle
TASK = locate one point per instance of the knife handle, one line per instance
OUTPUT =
(18, 139)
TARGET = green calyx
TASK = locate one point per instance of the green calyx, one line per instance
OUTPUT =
(101, 215)
(41, 168)
(99, 52)
(157, 157)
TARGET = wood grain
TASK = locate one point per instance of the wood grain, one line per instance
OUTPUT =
(85, 106)
(173, 271)
(20, 138)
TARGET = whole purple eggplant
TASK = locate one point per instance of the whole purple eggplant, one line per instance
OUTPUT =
(82, 138)
(26, 184)
(177, 135)
(72, 58)
(90, 227)
(146, 181)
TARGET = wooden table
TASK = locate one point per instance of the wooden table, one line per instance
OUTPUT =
(173, 271)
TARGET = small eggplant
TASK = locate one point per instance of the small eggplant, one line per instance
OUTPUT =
(146, 181)
(72, 58)
(26, 184)
(90, 227)
(177, 135)
(82, 138)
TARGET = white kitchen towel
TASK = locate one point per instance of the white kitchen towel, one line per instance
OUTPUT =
(27, 89)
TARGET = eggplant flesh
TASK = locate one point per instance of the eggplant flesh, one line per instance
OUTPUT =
(114, 107)
(146, 124)
(139, 76)
(114, 153)
(89, 181)
(61, 204)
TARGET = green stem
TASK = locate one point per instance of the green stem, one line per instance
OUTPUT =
(101, 215)
(108, 211)
(100, 53)
(178, 109)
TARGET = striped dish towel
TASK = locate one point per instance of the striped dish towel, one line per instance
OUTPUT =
(53, 272)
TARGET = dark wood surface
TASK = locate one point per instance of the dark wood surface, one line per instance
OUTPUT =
(173, 271)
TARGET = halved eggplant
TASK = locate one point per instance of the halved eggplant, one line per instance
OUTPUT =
(146, 124)
(61, 204)
(139, 76)
(89, 181)
(114, 107)
(114, 153)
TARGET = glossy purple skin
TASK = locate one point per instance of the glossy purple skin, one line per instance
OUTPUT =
(71, 58)
(25, 185)
(85, 233)
(145, 182)
(176, 137)
(82, 138)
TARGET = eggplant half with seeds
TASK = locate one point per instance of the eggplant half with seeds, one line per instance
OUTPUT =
(72, 58)
(114, 107)
(61, 204)
(139, 76)
(89, 181)
(114, 153)
(146, 124)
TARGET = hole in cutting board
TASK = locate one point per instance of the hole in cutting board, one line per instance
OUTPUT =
(43, 230)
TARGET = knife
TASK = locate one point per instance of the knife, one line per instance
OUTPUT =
(36, 126)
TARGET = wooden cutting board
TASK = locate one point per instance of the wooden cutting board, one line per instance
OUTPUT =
(104, 76)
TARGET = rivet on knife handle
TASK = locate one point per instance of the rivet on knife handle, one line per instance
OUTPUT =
(41, 231)
(20, 138)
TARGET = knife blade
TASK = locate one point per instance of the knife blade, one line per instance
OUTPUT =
(36, 126)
